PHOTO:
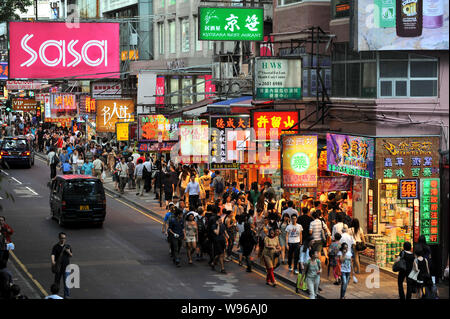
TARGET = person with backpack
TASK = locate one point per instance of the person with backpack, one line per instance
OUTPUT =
(53, 161)
(312, 273)
(408, 260)
(218, 185)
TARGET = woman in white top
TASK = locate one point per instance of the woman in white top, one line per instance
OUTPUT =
(358, 235)
(80, 162)
(74, 161)
(229, 205)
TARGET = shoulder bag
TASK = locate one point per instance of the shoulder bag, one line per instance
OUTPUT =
(57, 264)
(399, 265)
(414, 273)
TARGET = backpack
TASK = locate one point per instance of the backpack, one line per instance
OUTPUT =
(219, 187)
(55, 159)
(201, 226)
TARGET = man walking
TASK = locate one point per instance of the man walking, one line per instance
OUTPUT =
(176, 234)
(98, 167)
(61, 254)
(122, 168)
(218, 185)
(52, 160)
(138, 173)
(193, 188)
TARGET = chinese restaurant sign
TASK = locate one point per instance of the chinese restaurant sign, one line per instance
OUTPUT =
(219, 125)
(87, 104)
(299, 161)
(122, 131)
(25, 105)
(350, 155)
(429, 209)
(269, 125)
(278, 79)
(109, 112)
(407, 157)
(194, 142)
(409, 189)
(230, 24)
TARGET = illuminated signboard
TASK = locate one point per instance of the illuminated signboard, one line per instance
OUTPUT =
(351, 155)
(25, 105)
(150, 125)
(409, 189)
(429, 209)
(407, 157)
(194, 142)
(109, 112)
(122, 131)
(269, 125)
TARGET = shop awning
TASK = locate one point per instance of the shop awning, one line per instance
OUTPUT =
(194, 109)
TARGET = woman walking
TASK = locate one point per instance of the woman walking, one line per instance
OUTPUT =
(230, 224)
(360, 243)
(191, 236)
(271, 247)
(282, 238)
(423, 278)
(254, 194)
(219, 243)
(313, 269)
(345, 257)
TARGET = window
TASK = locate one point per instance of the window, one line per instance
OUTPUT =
(198, 43)
(187, 90)
(161, 38)
(172, 2)
(285, 2)
(340, 9)
(162, 4)
(211, 45)
(184, 24)
(172, 36)
(200, 88)
(174, 86)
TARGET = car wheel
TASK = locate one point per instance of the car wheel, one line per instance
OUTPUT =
(29, 164)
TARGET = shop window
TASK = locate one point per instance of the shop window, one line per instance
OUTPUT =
(423, 88)
(174, 87)
(200, 88)
(187, 90)
(161, 37)
(353, 82)
(369, 80)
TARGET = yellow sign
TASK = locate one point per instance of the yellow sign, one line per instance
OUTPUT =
(122, 132)
(109, 112)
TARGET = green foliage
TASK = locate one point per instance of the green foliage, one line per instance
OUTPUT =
(8, 9)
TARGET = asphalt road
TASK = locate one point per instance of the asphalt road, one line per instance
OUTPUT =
(127, 258)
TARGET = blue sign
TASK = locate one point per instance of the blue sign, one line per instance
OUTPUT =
(3, 70)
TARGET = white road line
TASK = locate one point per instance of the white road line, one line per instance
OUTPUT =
(31, 190)
(16, 180)
(4, 172)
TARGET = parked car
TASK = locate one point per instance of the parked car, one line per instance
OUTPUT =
(16, 150)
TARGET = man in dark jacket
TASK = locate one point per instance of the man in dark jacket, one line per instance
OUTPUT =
(247, 242)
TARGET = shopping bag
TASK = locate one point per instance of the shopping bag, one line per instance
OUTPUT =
(301, 281)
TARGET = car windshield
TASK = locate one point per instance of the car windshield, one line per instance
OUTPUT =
(83, 188)
(14, 145)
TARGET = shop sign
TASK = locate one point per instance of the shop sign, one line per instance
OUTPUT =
(372, 222)
(154, 147)
(160, 89)
(278, 79)
(109, 112)
(230, 24)
(62, 102)
(87, 104)
(194, 142)
(24, 85)
(238, 141)
(429, 209)
(350, 155)
(407, 157)
(150, 125)
(106, 90)
(215, 166)
(409, 189)
(270, 125)
(299, 161)
(25, 105)
(122, 131)
(330, 184)
(3, 70)
(323, 160)
(219, 126)
(47, 109)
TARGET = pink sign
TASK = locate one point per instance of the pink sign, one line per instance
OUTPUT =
(160, 85)
(50, 50)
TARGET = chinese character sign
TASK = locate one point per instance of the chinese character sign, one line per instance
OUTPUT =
(299, 161)
(278, 79)
(232, 24)
(122, 131)
(269, 125)
(150, 125)
(429, 209)
(61, 102)
(350, 155)
(194, 142)
(409, 189)
(109, 112)
(407, 157)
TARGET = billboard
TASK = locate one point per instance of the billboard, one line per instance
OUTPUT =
(25, 105)
(109, 112)
(106, 90)
(269, 125)
(3, 70)
(146, 89)
(230, 24)
(350, 155)
(194, 142)
(278, 79)
(299, 161)
(429, 209)
(52, 50)
(402, 25)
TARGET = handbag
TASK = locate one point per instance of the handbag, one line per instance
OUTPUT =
(399, 265)
(413, 275)
(360, 246)
(324, 236)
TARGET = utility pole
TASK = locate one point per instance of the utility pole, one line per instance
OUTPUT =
(36, 9)
(97, 7)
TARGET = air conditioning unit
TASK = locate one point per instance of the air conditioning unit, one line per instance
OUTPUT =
(133, 39)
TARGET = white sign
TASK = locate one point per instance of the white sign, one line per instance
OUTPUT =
(25, 85)
(47, 110)
(146, 90)
(109, 90)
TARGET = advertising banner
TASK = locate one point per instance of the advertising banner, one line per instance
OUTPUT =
(62, 102)
(109, 112)
(409, 189)
(429, 209)
(150, 125)
(106, 90)
(47, 109)
(230, 24)
(51, 50)
(25, 105)
(3, 70)
(269, 125)
(278, 79)
(146, 89)
(24, 85)
(350, 155)
(407, 157)
(160, 89)
(333, 184)
(299, 160)
(403, 25)
(122, 131)
(194, 142)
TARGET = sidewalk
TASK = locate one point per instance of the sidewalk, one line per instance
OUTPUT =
(20, 278)
(387, 288)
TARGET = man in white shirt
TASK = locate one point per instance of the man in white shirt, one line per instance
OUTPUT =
(339, 226)
(122, 168)
(138, 171)
(294, 239)
(350, 241)
(98, 166)
(54, 289)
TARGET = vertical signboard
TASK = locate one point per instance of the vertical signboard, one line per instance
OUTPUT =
(122, 131)
(299, 161)
(429, 209)
(3, 70)
(146, 90)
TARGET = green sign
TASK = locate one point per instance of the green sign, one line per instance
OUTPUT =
(231, 24)
(429, 209)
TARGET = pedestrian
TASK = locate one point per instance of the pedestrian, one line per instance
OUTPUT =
(247, 242)
(147, 174)
(52, 161)
(421, 266)
(312, 273)
(190, 235)
(74, 160)
(290, 210)
(202, 233)
(333, 259)
(337, 228)
(231, 228)
(131, 179)
(271, 249)
(169, 184)
(66, 168)
(318, 231)
(294, 240)
(240, 222)
(184, 181)
(138, 175)
(164, 230)
(408, 258)
(193, 189)
(122, 168)
(98, 167)
(282, 225)
(54, 289)
(218, 185)
(345, 258)
(60, 258)
(5, 230)
(87, 167)
(360, 243)
(176, 235)
(205, 183)
(219, 242)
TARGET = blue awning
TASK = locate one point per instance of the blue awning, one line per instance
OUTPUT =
(231, 101)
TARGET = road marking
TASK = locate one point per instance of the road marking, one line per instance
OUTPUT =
(28, 274)
(17, 180)
(256, 272)
(32, 191)
(4, 173)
